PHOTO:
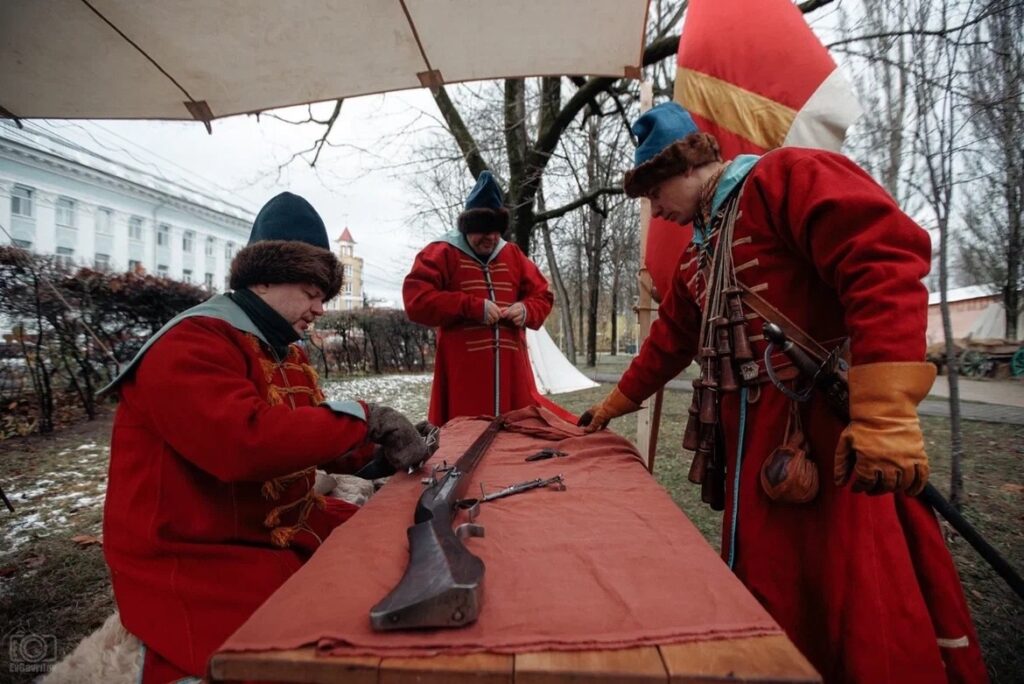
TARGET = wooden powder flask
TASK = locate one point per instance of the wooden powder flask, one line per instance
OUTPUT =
(703, 455)
(691, 436)
(723, 350)
(712, 488)
(741, 350)
(709, 387)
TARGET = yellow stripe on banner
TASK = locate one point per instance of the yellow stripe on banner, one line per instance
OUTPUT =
(759, 119)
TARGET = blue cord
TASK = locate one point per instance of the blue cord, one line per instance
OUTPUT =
(736, 478)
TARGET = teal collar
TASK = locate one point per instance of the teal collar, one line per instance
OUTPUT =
(458, 240)
(733, 176)
(220, 306)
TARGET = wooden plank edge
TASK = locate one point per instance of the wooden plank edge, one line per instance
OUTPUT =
(756, 660)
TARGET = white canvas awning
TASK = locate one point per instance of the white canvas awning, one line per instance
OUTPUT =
(203, 59)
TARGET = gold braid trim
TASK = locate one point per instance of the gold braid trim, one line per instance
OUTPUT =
(272, 489)
(311, 374)
(294, 390)
(282, 535)
(274, 395)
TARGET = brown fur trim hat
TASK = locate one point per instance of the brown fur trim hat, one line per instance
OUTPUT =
(668, 144)
(288, 244)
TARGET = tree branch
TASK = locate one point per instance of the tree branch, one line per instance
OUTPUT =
(577, 203)
(457, 127)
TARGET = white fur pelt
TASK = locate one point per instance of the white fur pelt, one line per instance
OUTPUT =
(110, 654)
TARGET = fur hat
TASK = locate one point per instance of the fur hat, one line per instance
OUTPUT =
(288, 244)
(485, 210)
(669, 144)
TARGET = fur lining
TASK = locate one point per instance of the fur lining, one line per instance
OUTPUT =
(692, 151)
(286, 261)
(110, 654)
(483, 220)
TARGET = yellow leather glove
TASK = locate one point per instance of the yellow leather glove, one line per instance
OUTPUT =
(882, 449)
(614, 405)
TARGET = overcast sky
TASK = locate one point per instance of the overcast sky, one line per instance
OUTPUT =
(350, 186)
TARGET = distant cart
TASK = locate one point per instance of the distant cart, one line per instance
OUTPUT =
(990, 358)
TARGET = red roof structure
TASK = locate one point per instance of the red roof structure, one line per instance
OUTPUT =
(345, 236)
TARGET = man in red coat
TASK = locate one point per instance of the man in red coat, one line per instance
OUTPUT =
(480, 292)
(836, 547)
(221, 424)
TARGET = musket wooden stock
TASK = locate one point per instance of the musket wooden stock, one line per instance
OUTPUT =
(442, 582)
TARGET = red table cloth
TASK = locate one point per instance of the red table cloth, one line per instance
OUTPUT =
(611, 562)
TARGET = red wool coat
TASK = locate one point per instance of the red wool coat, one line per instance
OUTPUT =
(862, 584)
(446, 289)
(209, 504)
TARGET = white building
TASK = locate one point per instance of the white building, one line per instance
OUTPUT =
(57, 198)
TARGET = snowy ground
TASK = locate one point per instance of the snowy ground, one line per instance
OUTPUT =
(407, 393)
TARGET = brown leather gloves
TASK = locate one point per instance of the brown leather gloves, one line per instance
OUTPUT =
(614, 405)
(402, 444)
(882, 449)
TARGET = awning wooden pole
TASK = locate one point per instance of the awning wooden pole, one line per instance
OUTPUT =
(649, 417)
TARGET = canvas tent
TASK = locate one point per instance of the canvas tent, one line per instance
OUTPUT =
(193, 59)
(552, 372)
(991, 324)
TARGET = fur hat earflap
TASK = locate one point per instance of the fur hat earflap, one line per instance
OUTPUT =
(286, 261)
(696, 149)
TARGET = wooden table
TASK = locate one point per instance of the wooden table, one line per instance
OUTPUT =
(749, 659)
(739, 659)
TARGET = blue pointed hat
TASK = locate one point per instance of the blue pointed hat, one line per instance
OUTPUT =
(485, 209)
(668, 144)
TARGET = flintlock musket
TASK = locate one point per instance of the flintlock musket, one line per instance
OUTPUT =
(441, 584)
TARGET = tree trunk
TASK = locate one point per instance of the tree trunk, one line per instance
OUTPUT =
(615, 312)
(956, 481)
(595, 239)
(561, 293)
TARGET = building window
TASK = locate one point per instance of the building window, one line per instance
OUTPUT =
(102, 261)
(208, 281)
(187, 238)
(65, 212)
(104, 221)
(135, 229)
(186, 276)
(229, 250)
(163, 235)
(134, 266)
(211, 244)
(21, 202)
(161, 270)
(227, 283)
(65, 257)
(24, 244)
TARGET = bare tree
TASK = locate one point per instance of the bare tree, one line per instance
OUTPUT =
(938, 139)
(993, 249)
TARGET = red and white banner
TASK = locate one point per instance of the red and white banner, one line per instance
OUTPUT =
(756, 77)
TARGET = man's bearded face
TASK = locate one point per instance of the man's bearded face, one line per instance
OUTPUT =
(483, 243)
